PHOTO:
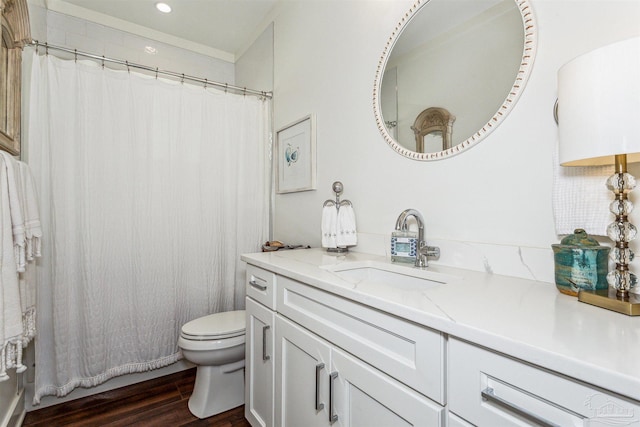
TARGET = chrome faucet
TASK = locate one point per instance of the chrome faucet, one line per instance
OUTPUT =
(423, 251)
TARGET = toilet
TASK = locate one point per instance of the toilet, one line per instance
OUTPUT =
(215, 343)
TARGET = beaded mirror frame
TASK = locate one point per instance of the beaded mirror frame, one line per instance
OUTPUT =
(528, 54)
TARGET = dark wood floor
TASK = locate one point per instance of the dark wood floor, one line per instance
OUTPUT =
(159, 402)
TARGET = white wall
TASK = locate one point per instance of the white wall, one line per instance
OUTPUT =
(496, 195)
(75, 33)
(254, 69)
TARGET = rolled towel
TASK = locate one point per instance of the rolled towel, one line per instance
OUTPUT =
(347, 234)
(329, 224)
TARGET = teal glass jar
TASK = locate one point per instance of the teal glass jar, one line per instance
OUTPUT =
(580, 263)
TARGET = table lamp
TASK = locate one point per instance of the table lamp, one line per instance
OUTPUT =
(599, 124)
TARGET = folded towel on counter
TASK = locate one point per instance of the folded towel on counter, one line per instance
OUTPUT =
(329, 226)
(346, 234)
(581, 199)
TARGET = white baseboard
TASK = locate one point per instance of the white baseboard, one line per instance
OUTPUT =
(16, 412)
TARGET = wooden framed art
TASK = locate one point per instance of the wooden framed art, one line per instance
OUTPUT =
(296, 156)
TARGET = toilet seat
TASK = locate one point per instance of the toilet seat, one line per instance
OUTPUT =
(216, 326)
(211, 344)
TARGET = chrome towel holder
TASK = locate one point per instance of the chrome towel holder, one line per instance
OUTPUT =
(337, 188)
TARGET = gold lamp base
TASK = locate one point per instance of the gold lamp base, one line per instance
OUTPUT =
(606, 298)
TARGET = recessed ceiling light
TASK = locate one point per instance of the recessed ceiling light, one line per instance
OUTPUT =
(163, 7)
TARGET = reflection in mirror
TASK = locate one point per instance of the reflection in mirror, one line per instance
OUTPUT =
(432, 130)
(470, 58)
(431, 142)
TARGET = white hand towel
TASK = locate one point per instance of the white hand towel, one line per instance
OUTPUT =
(17, 219)
(347, 234)
(581, 199)
(329, 224)
(33, 237)
(11, 328)
(28, 285)
(29, 202)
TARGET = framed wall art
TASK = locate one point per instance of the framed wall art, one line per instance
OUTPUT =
(296, 156)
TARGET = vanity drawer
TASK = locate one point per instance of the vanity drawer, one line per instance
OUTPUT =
(412, 354)
(261, 286)
(489, 389)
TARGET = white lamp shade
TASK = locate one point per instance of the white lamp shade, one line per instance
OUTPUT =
(599, 105)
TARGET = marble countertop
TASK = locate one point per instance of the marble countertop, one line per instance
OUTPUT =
(526, 319)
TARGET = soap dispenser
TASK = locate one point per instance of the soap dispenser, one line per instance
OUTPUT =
(404, 246)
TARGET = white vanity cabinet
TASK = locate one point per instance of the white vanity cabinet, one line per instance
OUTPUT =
(345, 364)
(410, 353)
(337, 362)
(319, 384)
(491, 389)
(483, 350)
(259, 360)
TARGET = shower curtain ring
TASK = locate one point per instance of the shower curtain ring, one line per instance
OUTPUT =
(244, 91)
(75, 55)
(128, 70)
(182, 80)
(103, 62)
(156, 73)
(226, 85)
(46, 48)
(205, 83)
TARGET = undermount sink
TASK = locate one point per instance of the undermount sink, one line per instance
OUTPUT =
(398, 276)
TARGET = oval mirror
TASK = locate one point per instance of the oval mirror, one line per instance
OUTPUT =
(450, 73)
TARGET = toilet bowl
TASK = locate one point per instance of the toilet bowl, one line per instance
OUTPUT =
(215, 343)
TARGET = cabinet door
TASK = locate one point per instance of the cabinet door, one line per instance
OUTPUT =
(302, 365)
(259, 365)
(362, 396)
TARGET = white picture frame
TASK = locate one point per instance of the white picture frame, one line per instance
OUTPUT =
(296, 156)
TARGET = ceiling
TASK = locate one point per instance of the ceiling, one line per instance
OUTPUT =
(222, 28)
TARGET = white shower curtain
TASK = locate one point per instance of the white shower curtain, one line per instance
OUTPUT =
(149, 192)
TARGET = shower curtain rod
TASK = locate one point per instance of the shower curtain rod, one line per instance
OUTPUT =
(156, 71)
